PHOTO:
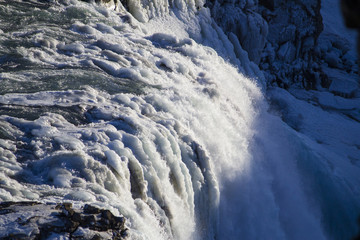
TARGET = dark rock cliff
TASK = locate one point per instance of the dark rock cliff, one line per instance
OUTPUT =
(283, 38)
(351, 12)
(279, 36)
(289, 56)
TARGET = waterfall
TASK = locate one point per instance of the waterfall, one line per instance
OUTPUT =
(135, 109)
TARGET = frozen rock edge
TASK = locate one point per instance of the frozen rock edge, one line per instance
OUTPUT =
(34, 220)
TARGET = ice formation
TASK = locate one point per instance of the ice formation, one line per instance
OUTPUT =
(155, 111)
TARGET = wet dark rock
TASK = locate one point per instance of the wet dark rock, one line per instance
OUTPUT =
(351, 12)
(358, 235)
(4, 205)
(90, 209)
(34, 220)
(270, 4)
(89, 220)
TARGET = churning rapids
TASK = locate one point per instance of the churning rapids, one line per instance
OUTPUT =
(139, 114)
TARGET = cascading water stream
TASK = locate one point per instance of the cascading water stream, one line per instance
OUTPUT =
(99, 108)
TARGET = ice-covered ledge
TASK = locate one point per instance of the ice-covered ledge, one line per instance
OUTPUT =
(34, 220)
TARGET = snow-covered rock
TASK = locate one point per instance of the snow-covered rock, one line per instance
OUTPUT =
(34, 220)
(242, 19)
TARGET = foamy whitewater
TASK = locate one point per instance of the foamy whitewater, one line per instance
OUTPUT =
(136, 112)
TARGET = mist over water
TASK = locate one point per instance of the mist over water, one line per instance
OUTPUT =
(99, 108)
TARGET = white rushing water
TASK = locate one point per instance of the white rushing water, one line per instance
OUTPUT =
(143, 117)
